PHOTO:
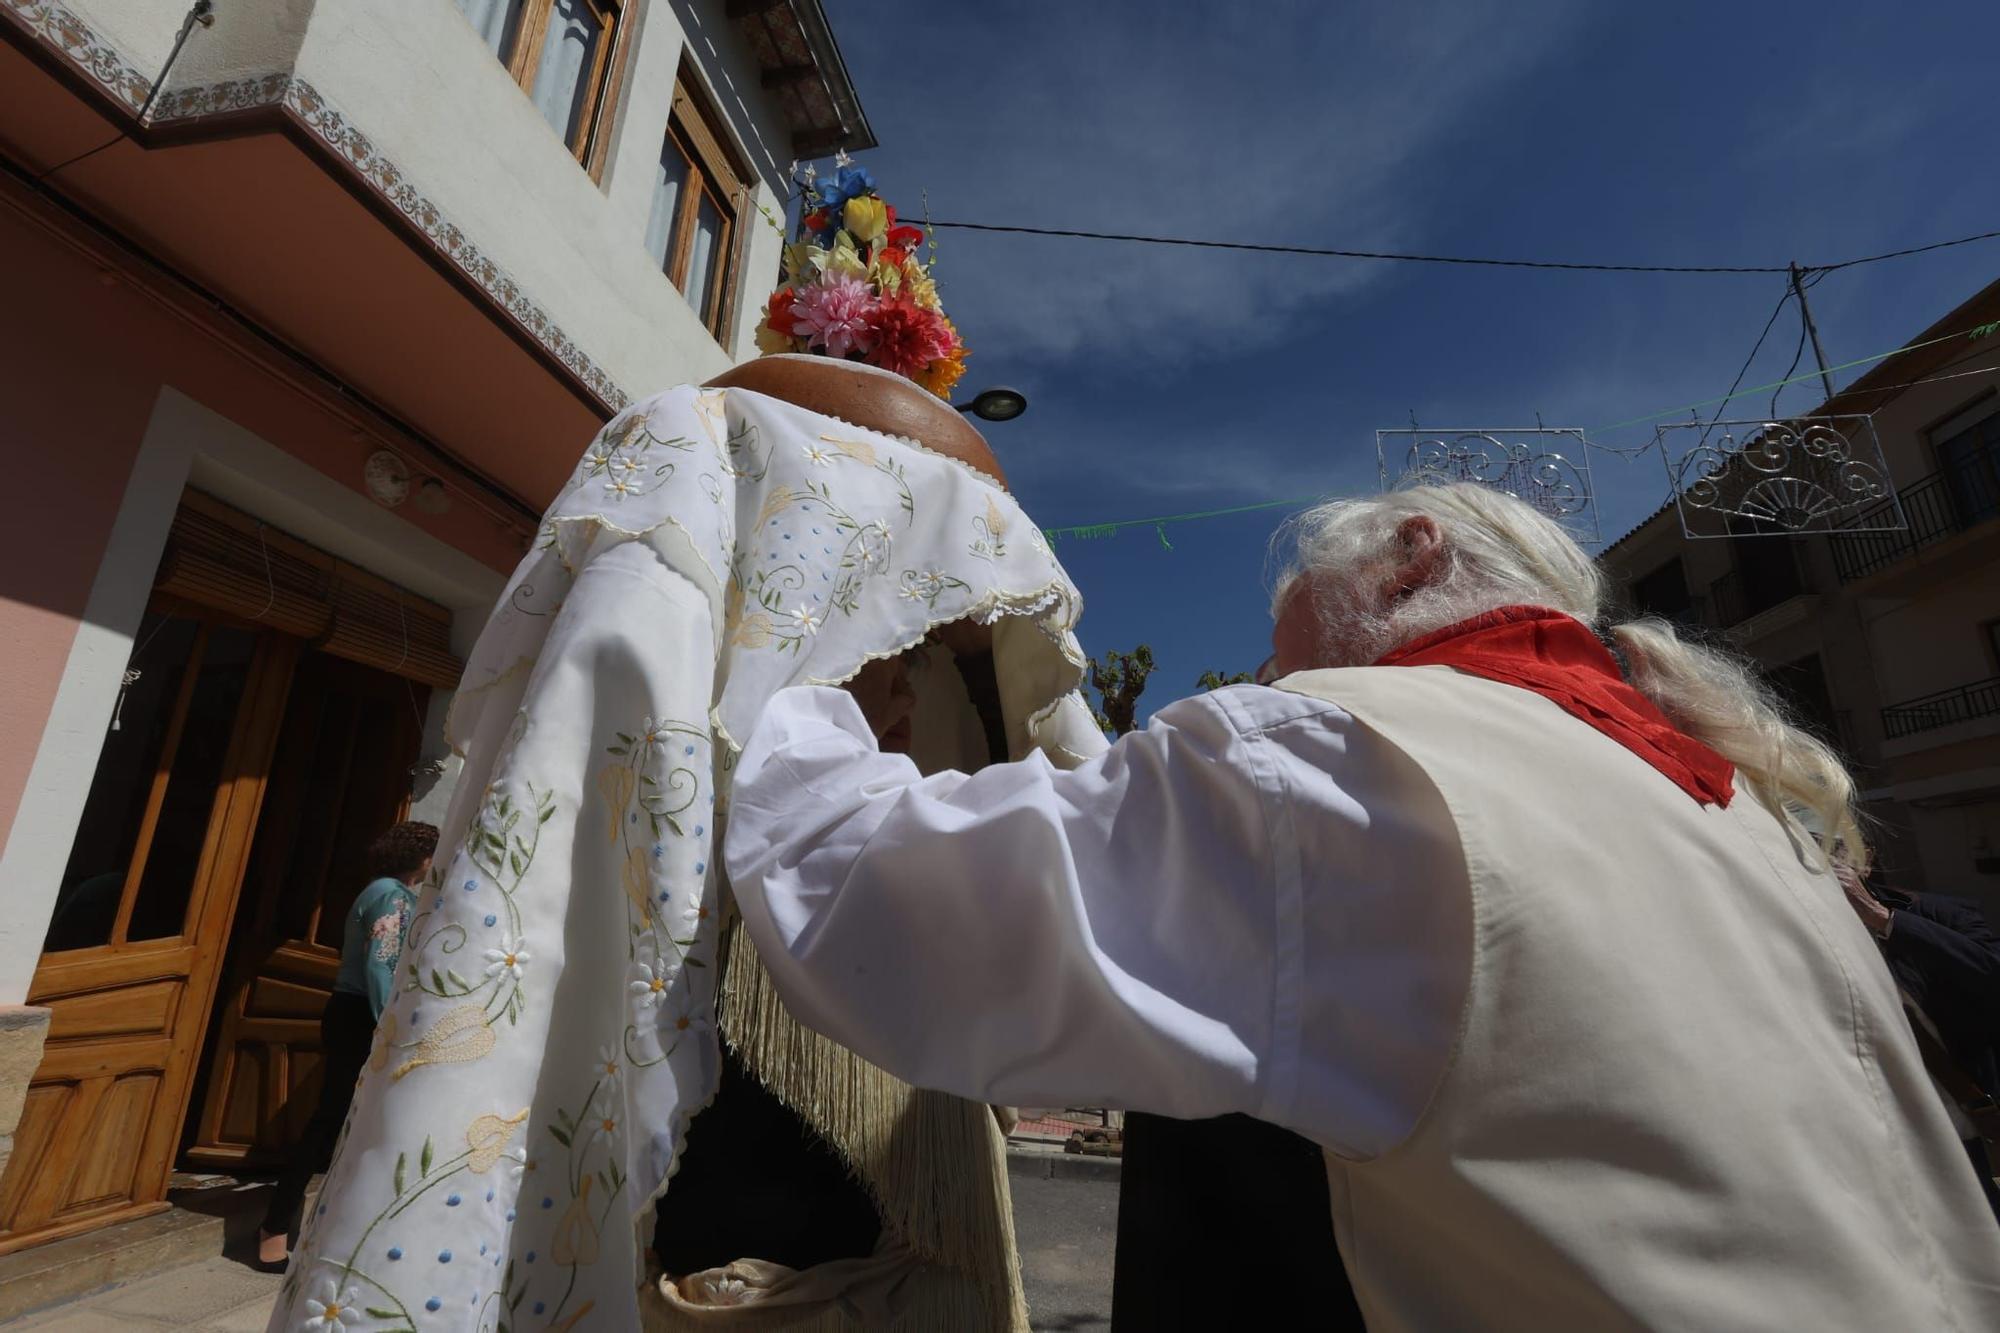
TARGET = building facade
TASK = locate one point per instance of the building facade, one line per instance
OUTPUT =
(311, 306)
(1886, 643)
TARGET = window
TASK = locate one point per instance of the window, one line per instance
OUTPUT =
(559, 51)
(1969, 462)
(1664, 593)
(698, 194)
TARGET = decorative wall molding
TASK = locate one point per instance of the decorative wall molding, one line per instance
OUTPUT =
(284, 94)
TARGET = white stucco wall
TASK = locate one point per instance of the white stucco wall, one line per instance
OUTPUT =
(189, 444)
(414, 77)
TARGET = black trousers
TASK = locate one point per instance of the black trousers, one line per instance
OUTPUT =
(346, 1031)
(1225, 1197)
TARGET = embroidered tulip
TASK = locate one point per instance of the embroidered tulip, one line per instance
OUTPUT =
(616, 785)
(385, 1040)
(460, 1036)
(487, 1136)
(865, 218)
(637, 877)
(575, 1241)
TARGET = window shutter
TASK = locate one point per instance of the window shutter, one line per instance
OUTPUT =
(222, 558)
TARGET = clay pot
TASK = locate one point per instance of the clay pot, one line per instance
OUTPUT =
(869, 397)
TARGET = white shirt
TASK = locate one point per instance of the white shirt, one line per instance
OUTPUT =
(1236, 909)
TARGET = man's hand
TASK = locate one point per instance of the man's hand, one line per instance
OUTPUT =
(1873, 914)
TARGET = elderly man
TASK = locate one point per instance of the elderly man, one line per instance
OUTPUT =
(1534, 948)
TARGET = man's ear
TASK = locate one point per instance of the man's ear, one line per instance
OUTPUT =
(1419, 554)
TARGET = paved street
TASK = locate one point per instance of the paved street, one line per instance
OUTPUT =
(1066, 1230)
(1065, 1226)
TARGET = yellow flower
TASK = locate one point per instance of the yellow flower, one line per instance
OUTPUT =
(802, 261)
(866, 217)
(888, 278)
(770, 340)
(918, 285)
(940, 375)
(461, 1035)
(843, 260)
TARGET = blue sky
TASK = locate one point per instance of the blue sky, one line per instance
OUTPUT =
(1166, 380)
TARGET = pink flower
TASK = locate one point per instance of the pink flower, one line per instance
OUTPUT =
(833, 315)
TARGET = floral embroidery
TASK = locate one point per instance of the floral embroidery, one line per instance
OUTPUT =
(329, 1307)
(387, 933)
(510, 957)
(928, 586)
(991, 543)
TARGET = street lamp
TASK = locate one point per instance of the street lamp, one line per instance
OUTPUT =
(998, 403)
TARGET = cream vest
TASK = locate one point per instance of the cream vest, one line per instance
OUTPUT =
(1683, 1095)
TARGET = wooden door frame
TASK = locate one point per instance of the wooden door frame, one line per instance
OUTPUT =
(200, 947)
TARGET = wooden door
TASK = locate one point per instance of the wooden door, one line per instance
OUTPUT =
(340, 776)
(136, 941)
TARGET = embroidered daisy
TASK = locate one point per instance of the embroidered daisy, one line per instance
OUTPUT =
(328, 1308)
(817, 456)
(510, 957)
(621, 488)
(808, 622)
(649, 984)
(608, 1064)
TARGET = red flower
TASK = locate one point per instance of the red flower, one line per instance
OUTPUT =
(908, 337)
(891, 256)
(890, 209)
(905, 238)
(819, 219)
(778, 312)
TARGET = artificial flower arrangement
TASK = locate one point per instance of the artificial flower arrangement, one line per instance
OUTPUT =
(855, 287)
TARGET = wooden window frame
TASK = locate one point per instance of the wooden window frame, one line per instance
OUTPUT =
(715, 172)
(600, 82)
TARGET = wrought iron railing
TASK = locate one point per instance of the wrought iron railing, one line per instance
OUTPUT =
(1951, 500)
(1931, 711)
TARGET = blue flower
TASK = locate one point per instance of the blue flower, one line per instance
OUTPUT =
(433, 1304)
(840, 185)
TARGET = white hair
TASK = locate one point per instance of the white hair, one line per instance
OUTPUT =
(1497, 551)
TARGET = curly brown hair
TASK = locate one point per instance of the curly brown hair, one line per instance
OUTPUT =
(401, 849)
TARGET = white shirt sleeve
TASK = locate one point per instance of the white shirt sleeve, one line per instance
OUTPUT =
(1023, 936)
(1176, 926)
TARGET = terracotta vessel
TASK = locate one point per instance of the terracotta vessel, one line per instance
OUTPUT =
(867, 396)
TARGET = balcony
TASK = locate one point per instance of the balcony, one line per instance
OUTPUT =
(1954, 499)
(1943, 709)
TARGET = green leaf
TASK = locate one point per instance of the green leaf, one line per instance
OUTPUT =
(694, 962)
(437, 981)
(377, 1312)
(559, 1136)
(458, 981)
(424, 1162)
(624, 737)
(547, 814)
(402, 1168)
(516, 860)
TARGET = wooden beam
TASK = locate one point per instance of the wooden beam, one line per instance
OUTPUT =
(818, 143)
(784, 76)
(749, 9)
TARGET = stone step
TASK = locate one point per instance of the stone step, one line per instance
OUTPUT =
(201, 1224)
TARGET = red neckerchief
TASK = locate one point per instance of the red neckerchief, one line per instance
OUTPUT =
(1557, 657)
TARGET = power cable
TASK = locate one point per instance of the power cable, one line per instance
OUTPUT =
(1323, 252)
(202, 12)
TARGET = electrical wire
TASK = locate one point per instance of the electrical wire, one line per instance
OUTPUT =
(1134, 238)
(1755, 348)
(202, 12)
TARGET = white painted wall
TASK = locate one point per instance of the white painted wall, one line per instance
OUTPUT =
(414, 77)
(186, 443)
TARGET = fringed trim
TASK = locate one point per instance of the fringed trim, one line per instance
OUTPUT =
(935, 1165)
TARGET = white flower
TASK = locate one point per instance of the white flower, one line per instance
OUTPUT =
(518, 1165)
(621, 488)
(841, 159)
(510, 957)
(596, 458)
(649, 984)
(808, 622)
(329, 1308)
(817, 456)
(609, 1065)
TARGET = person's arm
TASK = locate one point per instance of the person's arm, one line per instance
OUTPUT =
(1022, 936)
(1954, 947)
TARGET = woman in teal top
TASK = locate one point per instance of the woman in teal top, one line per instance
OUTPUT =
(371, 942)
